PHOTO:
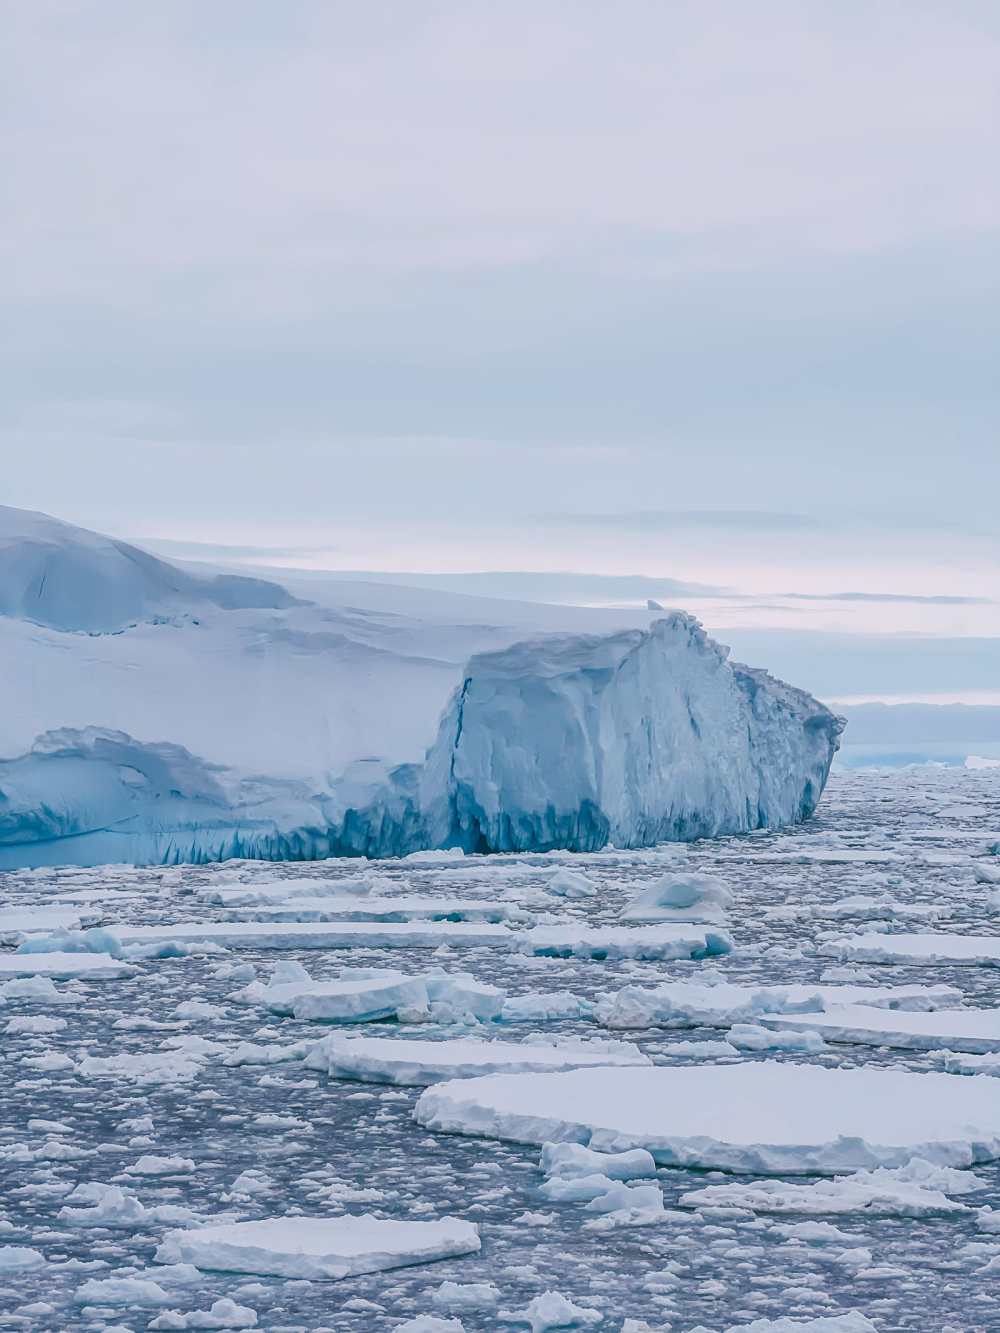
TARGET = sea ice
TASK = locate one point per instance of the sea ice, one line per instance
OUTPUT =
(400, 909)
(766, 1117)
(852, 1322)
(680, 1004)
(63, 966)
(552, 1310)
(971, 1030)
(569, 1160)
(918, 1189)
(970, 950)
(578, 940)
(322, 935)
(570, 884)
(682, 896)
(318, 1247)
(403, 1061)
(36, 920)
(352, 1000)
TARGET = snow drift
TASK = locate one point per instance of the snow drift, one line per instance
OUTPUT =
(155, 715)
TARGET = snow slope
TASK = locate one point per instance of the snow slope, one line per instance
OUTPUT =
(163, 714)
(68, 578)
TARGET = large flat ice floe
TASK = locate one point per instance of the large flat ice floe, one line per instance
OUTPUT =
(492, 730)
(63, 966)
(318, 1247)
(918, 1189)
(402, 1061)
(30, 920)
(322, 934)
(765, 1117)
(976, 1031)
(681, 1004)
(967, 950)
(403, 909)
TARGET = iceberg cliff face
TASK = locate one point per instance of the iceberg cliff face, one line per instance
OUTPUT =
(231, 719)
(632, 739)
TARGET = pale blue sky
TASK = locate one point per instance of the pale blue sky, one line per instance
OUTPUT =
(704, 291)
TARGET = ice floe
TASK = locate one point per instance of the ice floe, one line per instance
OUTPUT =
(969, 950)
(364, 995)
(404, 1061)
(578, 940)
(318, 1247)
(682, 896)
(63, 966)
(918, 1189)
(691, 1004)
(751, 1116)
(976, 1031)
(322, 934)
(400, 909)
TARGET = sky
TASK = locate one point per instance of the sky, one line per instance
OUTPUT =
(693, 291)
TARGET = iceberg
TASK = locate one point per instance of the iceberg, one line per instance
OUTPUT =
(373, 735)
(574, 742)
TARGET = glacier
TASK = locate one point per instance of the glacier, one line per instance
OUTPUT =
(164, 715)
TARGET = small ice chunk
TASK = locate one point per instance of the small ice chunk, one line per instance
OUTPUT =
(121, 1291)
(466, 1296)
(682, 896)
(570, 1160)
(552, 1310)
(223, 1313)
(14, 1258)
(570, 884)
(753, 1037)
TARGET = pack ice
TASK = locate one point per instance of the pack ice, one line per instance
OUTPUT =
(132, 681)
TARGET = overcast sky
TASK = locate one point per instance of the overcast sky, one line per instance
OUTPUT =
(700, 290)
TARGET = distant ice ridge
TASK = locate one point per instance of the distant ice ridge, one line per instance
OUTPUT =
(162, 717)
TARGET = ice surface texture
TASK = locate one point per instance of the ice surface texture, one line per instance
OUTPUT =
(767, 1117)
(134, 685)
(633, 738)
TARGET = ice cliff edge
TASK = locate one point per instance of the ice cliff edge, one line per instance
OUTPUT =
(634, 738)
